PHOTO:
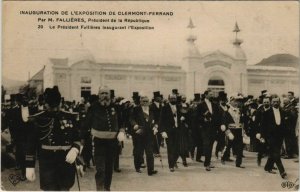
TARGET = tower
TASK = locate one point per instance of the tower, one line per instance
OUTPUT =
(240, 69)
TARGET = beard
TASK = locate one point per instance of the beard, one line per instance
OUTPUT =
(105, 101)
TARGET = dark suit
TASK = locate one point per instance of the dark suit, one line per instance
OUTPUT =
(157, 139)
(144, 141)
(273, 134)
(18, 129)
(209, 123)
(167, 124)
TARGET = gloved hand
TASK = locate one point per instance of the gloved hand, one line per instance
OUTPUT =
(229, 134)
(155, 131)
(136, 127)
(262, 140)
(30, 174)
(258, 136)
(223, 128)
(72, 154)
(121, 136)
(182, 118)
(139, 131)
(164, 135)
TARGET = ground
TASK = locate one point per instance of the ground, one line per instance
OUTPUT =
(192, 178)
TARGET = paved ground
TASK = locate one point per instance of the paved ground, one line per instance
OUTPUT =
(193, 178)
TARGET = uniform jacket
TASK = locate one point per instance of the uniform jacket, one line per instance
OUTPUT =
(51, 129)
(101, 118)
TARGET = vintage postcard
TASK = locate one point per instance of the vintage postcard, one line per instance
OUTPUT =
(223, 75)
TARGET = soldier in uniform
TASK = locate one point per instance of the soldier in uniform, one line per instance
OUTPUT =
(232, 120)
(102, 120)
(55, 134)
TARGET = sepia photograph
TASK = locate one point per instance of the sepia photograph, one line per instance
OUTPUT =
(150, 96)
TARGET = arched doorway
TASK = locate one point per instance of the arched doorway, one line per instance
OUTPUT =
(216, 84)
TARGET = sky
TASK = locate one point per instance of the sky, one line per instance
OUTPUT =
(267, 28)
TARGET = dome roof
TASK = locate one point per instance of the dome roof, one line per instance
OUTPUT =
(281, 60)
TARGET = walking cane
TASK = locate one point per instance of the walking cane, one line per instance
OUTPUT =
(160, 158)
(77, 176)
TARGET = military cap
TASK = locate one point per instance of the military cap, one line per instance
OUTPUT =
(197, 97)
(53, 97)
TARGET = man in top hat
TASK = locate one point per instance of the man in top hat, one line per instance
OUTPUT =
(120, 144)
(272, 129)
(208, 114)
(222, 98)
(169, 122)
(195, 128)
(18, 122)
(55, 134)
(142, 122)
(102, 120)
(175, 92)
(156, 109)
(232, 121)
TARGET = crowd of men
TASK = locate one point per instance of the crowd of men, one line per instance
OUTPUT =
(63, 135)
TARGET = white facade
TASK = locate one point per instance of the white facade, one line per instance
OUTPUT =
(79, 73)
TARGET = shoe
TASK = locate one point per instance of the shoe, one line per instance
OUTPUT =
(172, 169)
(199, 160)
(283, 175)
(229, 160)
(138, 171)
(272, 172)
(274, 168)
(106, 189)
(240, 166)
(23, 178)
(288, 157)
(142, 166)
(117, 170)
(211, 166)
(153, 172)
(223, 162)
(207, 168)
(243, 156)
(185, 164)
(259, 162)
(296, 161)
(176, 166)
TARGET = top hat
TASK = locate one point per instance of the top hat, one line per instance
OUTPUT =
(222, 96)
(156, 94)
(112, 93)
(264, 92)
(175, 91)
(197, 97)
(135, 94)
